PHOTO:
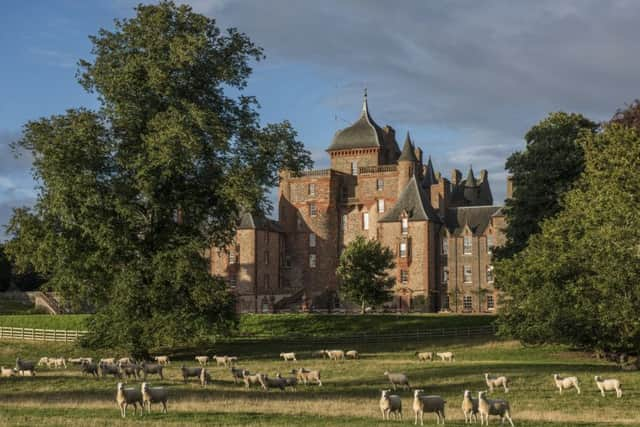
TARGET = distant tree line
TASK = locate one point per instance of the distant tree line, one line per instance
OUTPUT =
(571, 266)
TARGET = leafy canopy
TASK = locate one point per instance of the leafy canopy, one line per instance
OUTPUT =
(541, 173)
(362, 271)
(134, 194)
(577, 281)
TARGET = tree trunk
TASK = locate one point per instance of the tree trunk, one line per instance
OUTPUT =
(362, 307)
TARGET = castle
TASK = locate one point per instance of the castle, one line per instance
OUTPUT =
(441, 231)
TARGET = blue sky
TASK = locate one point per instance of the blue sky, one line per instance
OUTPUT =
(466, 78)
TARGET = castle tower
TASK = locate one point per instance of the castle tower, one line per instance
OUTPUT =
(407, 163)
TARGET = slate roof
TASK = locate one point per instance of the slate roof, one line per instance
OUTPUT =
(429, 176)
(473, 191)
(408, 151)
(477, 217)
(415, 202)
(251, 221)
(364, 133)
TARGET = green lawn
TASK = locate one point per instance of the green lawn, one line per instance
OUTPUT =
(350, 394)
(45, 321)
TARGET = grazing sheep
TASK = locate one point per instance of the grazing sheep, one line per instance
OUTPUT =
(390, 404)
(109, 369)
(80, 360)
(289, 381)
(250, 379)
(205, 378)
(126, 397)
(425, 355)
(566, 383)
(488, 407)
(43, 361)
(608, 385)
(469, 407)
(268, 382)
(319, 353)
(154, 395)
(306, 376)
(190, 372)
(352, 354)
(23, 366)
(7, 372)
(59, 362)
(202, 360)
(232, 359)
(111, 360)
(126, 361)
(288, 356)
(131, 370)
(89, 368)
(422, 404)
(151, 368)
(397, 379)
(446, 356)
(162, 360)
(493, 381)
(237, 374)
(335, 354)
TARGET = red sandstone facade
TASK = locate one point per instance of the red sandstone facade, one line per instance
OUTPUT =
(440, 230)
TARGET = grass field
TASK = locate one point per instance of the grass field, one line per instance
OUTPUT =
(350, 394)
(45, 321)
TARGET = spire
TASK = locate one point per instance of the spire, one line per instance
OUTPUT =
(365, 105)
(429, 175)
(407, 151)
(470, 181)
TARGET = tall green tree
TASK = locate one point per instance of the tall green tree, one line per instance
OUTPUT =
(363, 272)
(5, 270)
(576, 281)
(547, 168)
(133, 194)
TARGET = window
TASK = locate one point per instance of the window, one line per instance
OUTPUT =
(266, 237)
(380, 205)
(490, 303)
(266, 257)
(379, 184)
(312, 260)
(467, 245)
(445, 246)
(467, 303)
(490, 243)
(403, 249)
(405, 225)
(344, 222)
(467, 274)
(233, 255)
(300, 222)
(232, 281)
(312, 209)
(445, 302)
(404, 276)
(489, 273)
(312, 240)
(445, 275)
(365, 220)
(354, 168)
(267, 285)
(312, 189)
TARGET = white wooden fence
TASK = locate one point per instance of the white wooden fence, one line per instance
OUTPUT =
(32, 334)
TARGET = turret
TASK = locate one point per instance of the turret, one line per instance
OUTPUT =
(407, 163)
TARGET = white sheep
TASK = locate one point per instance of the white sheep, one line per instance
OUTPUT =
(390, 404)
(422, 404)
(154, 395)
(162, 360)
(59, 362)
(608, 385)
(125, 361)
(446, 356)
(488, 407)
(335, 354)
(306, 376)
(80, 360)
(126, 397)
(469, 407)
(397, 379)
(7, 372)
(496, 381)
(566, 383)
(221, 360)
(250, 379)
(288, 356)
(425, 355)
(109, 360)
(352, 354)
(202, 360)
(43, 361)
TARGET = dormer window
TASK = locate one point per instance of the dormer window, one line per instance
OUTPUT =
(354, 167)
(379, 184)
(467, 244)
(405, 225)
(404, 249)
(312, 189)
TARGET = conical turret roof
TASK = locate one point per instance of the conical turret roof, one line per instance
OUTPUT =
(408, 151)
(364, 133)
